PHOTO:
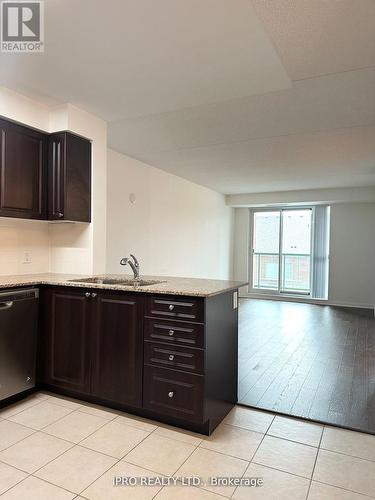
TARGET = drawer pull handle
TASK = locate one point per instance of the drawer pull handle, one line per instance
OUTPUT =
(171, 307)
(171, 332)
(171, 357)
(170, 394)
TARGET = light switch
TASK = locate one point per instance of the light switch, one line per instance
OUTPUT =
(26, 258)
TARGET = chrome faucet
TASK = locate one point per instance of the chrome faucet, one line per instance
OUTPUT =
(134, 264)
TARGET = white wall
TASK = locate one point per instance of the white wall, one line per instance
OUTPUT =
(175, 227)
(62, 247)
(352, 253)
(23, 109)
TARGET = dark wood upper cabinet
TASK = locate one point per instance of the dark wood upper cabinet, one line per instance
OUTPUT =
(118, 345)
(69, 178)
(23, 156)
(66, 340)
(44, 176)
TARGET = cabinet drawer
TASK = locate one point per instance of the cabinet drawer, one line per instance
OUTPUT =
(170, 356)
(172, 307)
(173, 393)
(187, 334)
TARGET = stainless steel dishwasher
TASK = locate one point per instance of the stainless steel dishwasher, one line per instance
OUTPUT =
(18, 340)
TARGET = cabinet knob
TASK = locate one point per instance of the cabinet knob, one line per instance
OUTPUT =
(60, 215)
(171, 357)
(87, 295)
(170, 394)
(171, 307)
(171, 332)
(94, 295)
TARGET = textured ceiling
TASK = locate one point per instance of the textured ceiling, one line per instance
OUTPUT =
(244, 96)
(317, 37)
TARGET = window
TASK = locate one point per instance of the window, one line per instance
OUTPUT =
(266, 241)
(282, 255)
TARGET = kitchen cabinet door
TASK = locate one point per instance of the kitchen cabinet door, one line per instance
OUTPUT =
(56, 176)
(69, 178)
(23, 155)
(67, 339)
(118, 360)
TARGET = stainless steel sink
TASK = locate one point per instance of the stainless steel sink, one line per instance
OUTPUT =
(117, 281)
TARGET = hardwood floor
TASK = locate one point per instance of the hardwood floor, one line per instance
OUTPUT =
(310, 361)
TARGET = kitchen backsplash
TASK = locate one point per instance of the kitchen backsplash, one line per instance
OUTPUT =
(24, 247)
(38, 247)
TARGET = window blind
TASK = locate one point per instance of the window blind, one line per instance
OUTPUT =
(320, 268)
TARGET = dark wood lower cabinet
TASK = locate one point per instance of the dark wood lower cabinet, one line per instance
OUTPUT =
(174, 393)
(174, 356)
(117, 358)
(93, 344)
(111, 348)
(190, 367)
(66, 340)
(174, 332)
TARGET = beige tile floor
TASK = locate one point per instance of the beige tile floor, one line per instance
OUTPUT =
(54, 448)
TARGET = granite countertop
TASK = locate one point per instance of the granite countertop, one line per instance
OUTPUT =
(170, 285)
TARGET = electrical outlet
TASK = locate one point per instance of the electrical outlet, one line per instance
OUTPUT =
(26, 258)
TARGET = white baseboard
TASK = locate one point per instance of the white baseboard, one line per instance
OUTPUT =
(351, 304)
(306, 300)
